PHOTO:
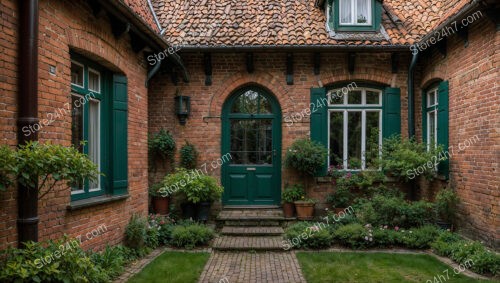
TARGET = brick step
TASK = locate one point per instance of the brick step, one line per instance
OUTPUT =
(249, 223)
(251, 214)
(252, 231)
(238, 243)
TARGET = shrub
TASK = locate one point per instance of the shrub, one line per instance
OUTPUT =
(420, 238)
(400, 157)
(191, 235)
(112, 260)
(293, 193)
(342, 197)
(443, 245)
(446, 204)
(152, 237)
(162, 145)
(383, 238)
(164, 225)
(483, 260)
(189, 156)
(50, 261)
(308, 235)
(193, 185)
(136, 232)
(306, 156)
(352, 235)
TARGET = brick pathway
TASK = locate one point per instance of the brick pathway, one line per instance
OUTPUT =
(245, 267)
(267, 243)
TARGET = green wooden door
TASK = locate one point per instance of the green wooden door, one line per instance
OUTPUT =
(251, 133)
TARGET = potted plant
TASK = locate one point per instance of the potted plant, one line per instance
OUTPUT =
(175, 183)
(446, 206)
(210, 191)
(159, 201)
(305, 208)
(161, 146)
(291, 194)
(340, 199)
(306, 156)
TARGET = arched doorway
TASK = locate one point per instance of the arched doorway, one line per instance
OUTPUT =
(251, 133)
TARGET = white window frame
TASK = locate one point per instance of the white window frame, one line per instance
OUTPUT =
(99, 80)
(83, 73)
(83, 118)
(99, 187)
(354, 12)
(363, 108)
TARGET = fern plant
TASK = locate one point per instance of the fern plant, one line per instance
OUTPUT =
(189, 156)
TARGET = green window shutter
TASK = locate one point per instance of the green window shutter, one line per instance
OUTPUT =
(442, 125)
(391, 122)
(424, 116)
(119, 150)
(319, 118)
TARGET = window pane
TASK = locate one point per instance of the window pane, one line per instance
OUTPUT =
(431, 98)
(345, 12)
(251, 141)
(354, 140)
(77, 132)
(336, 97)
(354, 97)
(76, 74)
(94, 143)
(336, 138)
(372, 97)
(94, 81)
(363, 8)
(431, 129)
(265, 106)
(372, 138)
(246, 103)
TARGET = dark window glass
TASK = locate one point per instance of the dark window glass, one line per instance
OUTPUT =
(336, 138)
(251, 141)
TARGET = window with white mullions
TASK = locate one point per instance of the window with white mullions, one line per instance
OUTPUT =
(94, 139)
(355, 12)
(355, 123)
(432, 118)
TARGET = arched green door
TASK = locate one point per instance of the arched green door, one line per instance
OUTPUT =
(251, 133)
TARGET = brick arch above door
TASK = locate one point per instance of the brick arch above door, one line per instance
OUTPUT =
(265, 80)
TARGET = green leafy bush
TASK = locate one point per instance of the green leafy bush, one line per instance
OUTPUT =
(112, 260)
(162, 145)
(191, 235)
(384, 238)
(306, 156)
(342, 197)
(308, 235)
(352, 235)
(420, 238)
(193, 185)
(446, 204)
(50, 261)
(7, 166)
(136, 232)
(152, 237)
(43, 166)
(164, 225)
(189, 156)
(400, 157)
(293, 193)
(443, 245)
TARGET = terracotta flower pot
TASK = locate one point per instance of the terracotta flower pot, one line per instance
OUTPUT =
(305, 210)
(160, 205)
(339, 209)
(288, 209)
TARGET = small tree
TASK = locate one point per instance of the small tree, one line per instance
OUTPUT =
(43, 166)
(306, 156)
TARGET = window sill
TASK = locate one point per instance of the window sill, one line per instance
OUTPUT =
(84, 203)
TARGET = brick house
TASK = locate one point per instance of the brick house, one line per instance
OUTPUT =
(252, 70)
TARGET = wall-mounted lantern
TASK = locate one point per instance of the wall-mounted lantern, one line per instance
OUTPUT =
(182, 107)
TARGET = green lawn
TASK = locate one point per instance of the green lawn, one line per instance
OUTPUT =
(376, 267)
(173, 267)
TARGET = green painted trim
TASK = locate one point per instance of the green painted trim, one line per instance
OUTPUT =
(277, 143)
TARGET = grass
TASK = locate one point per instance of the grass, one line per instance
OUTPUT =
(376, 267)
(175, 267)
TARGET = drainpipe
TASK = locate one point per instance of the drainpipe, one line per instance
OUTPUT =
(153, 71)
(27, 198)
(411, 95)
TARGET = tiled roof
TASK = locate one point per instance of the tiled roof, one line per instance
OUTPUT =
(141, 8)
(291, 22)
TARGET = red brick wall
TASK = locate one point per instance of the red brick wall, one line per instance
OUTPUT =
(474, 105)
(229, 73)
(66, 25)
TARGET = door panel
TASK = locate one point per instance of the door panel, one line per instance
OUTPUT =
(239, 185)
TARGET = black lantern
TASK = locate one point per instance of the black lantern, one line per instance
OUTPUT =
(182, 107)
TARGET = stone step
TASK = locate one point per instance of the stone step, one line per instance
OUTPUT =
(251, 214)
(252, 231)
(239, 243)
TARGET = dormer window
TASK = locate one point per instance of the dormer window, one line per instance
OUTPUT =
(354, 15)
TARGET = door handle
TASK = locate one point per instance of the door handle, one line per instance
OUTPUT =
(251, 169)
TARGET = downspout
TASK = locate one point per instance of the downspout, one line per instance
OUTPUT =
(411, 95)
(27, 198)
(155, 17)
(153, 71)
